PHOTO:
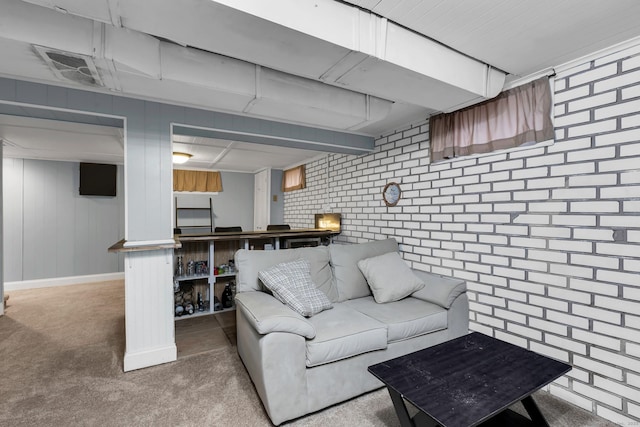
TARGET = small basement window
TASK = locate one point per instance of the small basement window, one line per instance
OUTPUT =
(294, 179)
(516, 117)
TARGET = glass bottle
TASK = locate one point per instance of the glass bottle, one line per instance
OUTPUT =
(227, 298)
(200, 302)
(180, 268)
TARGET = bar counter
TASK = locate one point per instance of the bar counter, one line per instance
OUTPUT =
(243, 236)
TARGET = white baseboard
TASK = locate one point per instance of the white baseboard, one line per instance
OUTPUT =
(144, 359)
(62, 281)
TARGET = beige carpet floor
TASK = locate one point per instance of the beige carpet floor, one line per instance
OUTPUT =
(61, 353)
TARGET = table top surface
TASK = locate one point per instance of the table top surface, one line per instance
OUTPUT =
(176, 242)
(468, 380)
(256, 234)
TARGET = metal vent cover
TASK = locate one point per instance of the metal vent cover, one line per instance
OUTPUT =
(71, 66)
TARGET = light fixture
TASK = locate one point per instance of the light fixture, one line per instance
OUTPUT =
(180, 158)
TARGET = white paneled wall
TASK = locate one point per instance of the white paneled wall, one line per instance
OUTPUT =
(1, 242)
(51, 231)
(146, 304)
(12, 219)
(548, 238)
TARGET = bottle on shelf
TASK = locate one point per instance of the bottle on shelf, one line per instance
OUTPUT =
(227, 297)
(200, 302)
(180, 267)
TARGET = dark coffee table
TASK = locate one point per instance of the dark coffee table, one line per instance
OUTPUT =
(468, 381)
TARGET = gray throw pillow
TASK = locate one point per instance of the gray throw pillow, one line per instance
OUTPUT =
(291, 283)
(389, 277)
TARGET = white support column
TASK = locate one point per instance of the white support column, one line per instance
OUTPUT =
(1, 238)
(149, 323)
(149, 320)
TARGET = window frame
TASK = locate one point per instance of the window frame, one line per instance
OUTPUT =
(521, 147)
(298, 178)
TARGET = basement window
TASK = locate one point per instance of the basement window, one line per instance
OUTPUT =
(196, 181)
(516, 117)
(294, 179)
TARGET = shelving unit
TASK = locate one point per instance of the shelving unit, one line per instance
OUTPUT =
(206, 283)
(219, 248)
(193, 214)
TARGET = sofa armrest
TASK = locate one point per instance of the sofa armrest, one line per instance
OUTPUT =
(438, 289)
(266, 314)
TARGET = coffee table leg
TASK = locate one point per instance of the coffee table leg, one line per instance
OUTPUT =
(401, 409)
(534, 412)
(421, 419)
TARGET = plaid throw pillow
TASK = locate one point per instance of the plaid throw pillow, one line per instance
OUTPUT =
(291, 283)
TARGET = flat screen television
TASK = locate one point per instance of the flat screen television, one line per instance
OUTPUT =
(97, 179)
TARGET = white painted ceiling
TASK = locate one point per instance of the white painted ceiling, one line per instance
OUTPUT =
(33, 138)
(46, 139)
(237, 156)
(364, 66)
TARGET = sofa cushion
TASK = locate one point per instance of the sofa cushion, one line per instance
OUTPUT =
(343, 332)
(250, 263)
(291, 283)
(350, 282)
(267, 315)
(438, 289)
(405, 319)
(389, 277)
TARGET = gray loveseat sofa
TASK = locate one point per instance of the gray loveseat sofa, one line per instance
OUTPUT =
(303, 364)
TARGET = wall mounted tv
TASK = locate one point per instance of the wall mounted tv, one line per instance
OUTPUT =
(98, 179)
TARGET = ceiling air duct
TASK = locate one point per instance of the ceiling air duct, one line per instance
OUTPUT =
(71, 66)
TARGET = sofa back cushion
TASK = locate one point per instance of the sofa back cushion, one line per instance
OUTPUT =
(349, 280)
(250, 263)
(389, 277)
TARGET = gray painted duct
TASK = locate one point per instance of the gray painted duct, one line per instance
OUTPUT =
(345, 67)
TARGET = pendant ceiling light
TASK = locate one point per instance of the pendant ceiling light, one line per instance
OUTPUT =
(180, 158)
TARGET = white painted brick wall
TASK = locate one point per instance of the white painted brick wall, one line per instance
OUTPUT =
(621, 80)
(548, 238)
(593, 287)
(596, 339)
(572, 346)
(617, 137)
(599, 395)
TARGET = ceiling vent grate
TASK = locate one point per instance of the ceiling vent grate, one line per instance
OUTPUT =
(71, 66)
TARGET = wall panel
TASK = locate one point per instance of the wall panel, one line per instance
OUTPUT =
(234, 204)
(277, 207)
(1, 238)
(12, 218)
(52, 230)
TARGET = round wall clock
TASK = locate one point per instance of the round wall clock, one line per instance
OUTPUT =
(391, 194)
